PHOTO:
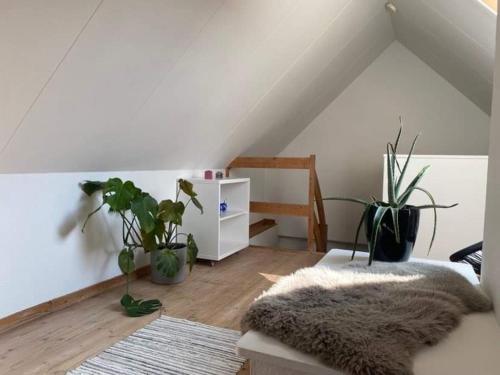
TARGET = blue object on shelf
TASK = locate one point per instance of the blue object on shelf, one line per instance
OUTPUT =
(223, 207)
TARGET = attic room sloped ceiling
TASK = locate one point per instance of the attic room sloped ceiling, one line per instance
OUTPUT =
(455, 38)
(121, 84)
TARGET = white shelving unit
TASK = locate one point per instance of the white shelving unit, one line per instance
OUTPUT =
(217, 234)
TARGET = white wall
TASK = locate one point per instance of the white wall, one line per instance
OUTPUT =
(44, 254)
(349, 137)
(491, 262)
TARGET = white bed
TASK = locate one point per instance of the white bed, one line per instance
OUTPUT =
(473, 348)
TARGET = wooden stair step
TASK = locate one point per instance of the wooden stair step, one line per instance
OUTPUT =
(261, 226)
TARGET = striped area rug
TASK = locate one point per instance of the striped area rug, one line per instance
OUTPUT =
(169, 346)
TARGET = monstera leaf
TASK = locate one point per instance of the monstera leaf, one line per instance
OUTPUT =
(119, 195)
(135, 308)
(197, 203)
(168, 263)
(90, 187)
(126, 261)
(187, 188)
(145, 207)
(170, 211)
(192, 251)
(148, 241)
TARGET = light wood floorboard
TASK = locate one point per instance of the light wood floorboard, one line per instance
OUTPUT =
(216, 295)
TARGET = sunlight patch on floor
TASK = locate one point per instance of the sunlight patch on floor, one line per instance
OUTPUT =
(270, 277)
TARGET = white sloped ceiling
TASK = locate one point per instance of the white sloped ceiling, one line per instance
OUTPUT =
(455, 38)
(34, 38)
(169, 84)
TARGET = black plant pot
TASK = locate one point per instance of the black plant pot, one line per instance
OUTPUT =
(386, 248)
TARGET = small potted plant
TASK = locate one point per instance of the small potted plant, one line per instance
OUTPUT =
(151, 226)
(391, 227)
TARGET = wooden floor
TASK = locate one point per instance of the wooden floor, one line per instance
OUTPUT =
(216, 295)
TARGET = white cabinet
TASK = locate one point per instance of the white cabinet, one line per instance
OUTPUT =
(217, 234)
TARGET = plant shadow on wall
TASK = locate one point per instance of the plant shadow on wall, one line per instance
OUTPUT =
(391, 227)
(152, 227)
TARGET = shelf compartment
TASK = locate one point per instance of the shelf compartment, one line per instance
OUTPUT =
(231, 214)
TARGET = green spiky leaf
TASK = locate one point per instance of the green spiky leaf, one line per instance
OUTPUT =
(360, 224)
(428, 206)
(405, 166)
(355, 200)
(434, 207)
(398, 137)
(390, 176)
(395, 223)
(413, 184)
(377, 221)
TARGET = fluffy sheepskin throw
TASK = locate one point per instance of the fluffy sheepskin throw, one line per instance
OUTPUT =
(365, 320)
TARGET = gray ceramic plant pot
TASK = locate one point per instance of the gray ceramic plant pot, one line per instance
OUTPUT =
(158, 278)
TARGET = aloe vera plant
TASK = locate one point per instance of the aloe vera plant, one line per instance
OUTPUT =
(147, 225)
(398, 197)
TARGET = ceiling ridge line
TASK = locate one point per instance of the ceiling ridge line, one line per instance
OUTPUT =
(456, 27)
(438, 40)
(281, 77)
(51, 76)
(372, 49)
(349, 69)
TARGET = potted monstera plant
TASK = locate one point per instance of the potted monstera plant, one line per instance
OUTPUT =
(152, 227)
(391, 226)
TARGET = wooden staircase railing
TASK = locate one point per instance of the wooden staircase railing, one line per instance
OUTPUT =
(317, 229)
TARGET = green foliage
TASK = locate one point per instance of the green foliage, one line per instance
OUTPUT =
(396, 200)
(146, 224)
(119, 195)
(145, 207)
(149, 241)
(126, 261)
(192, 251)
(170, 211)
(135, 308)
(90, 187)
(187, 188)
(168, 262)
